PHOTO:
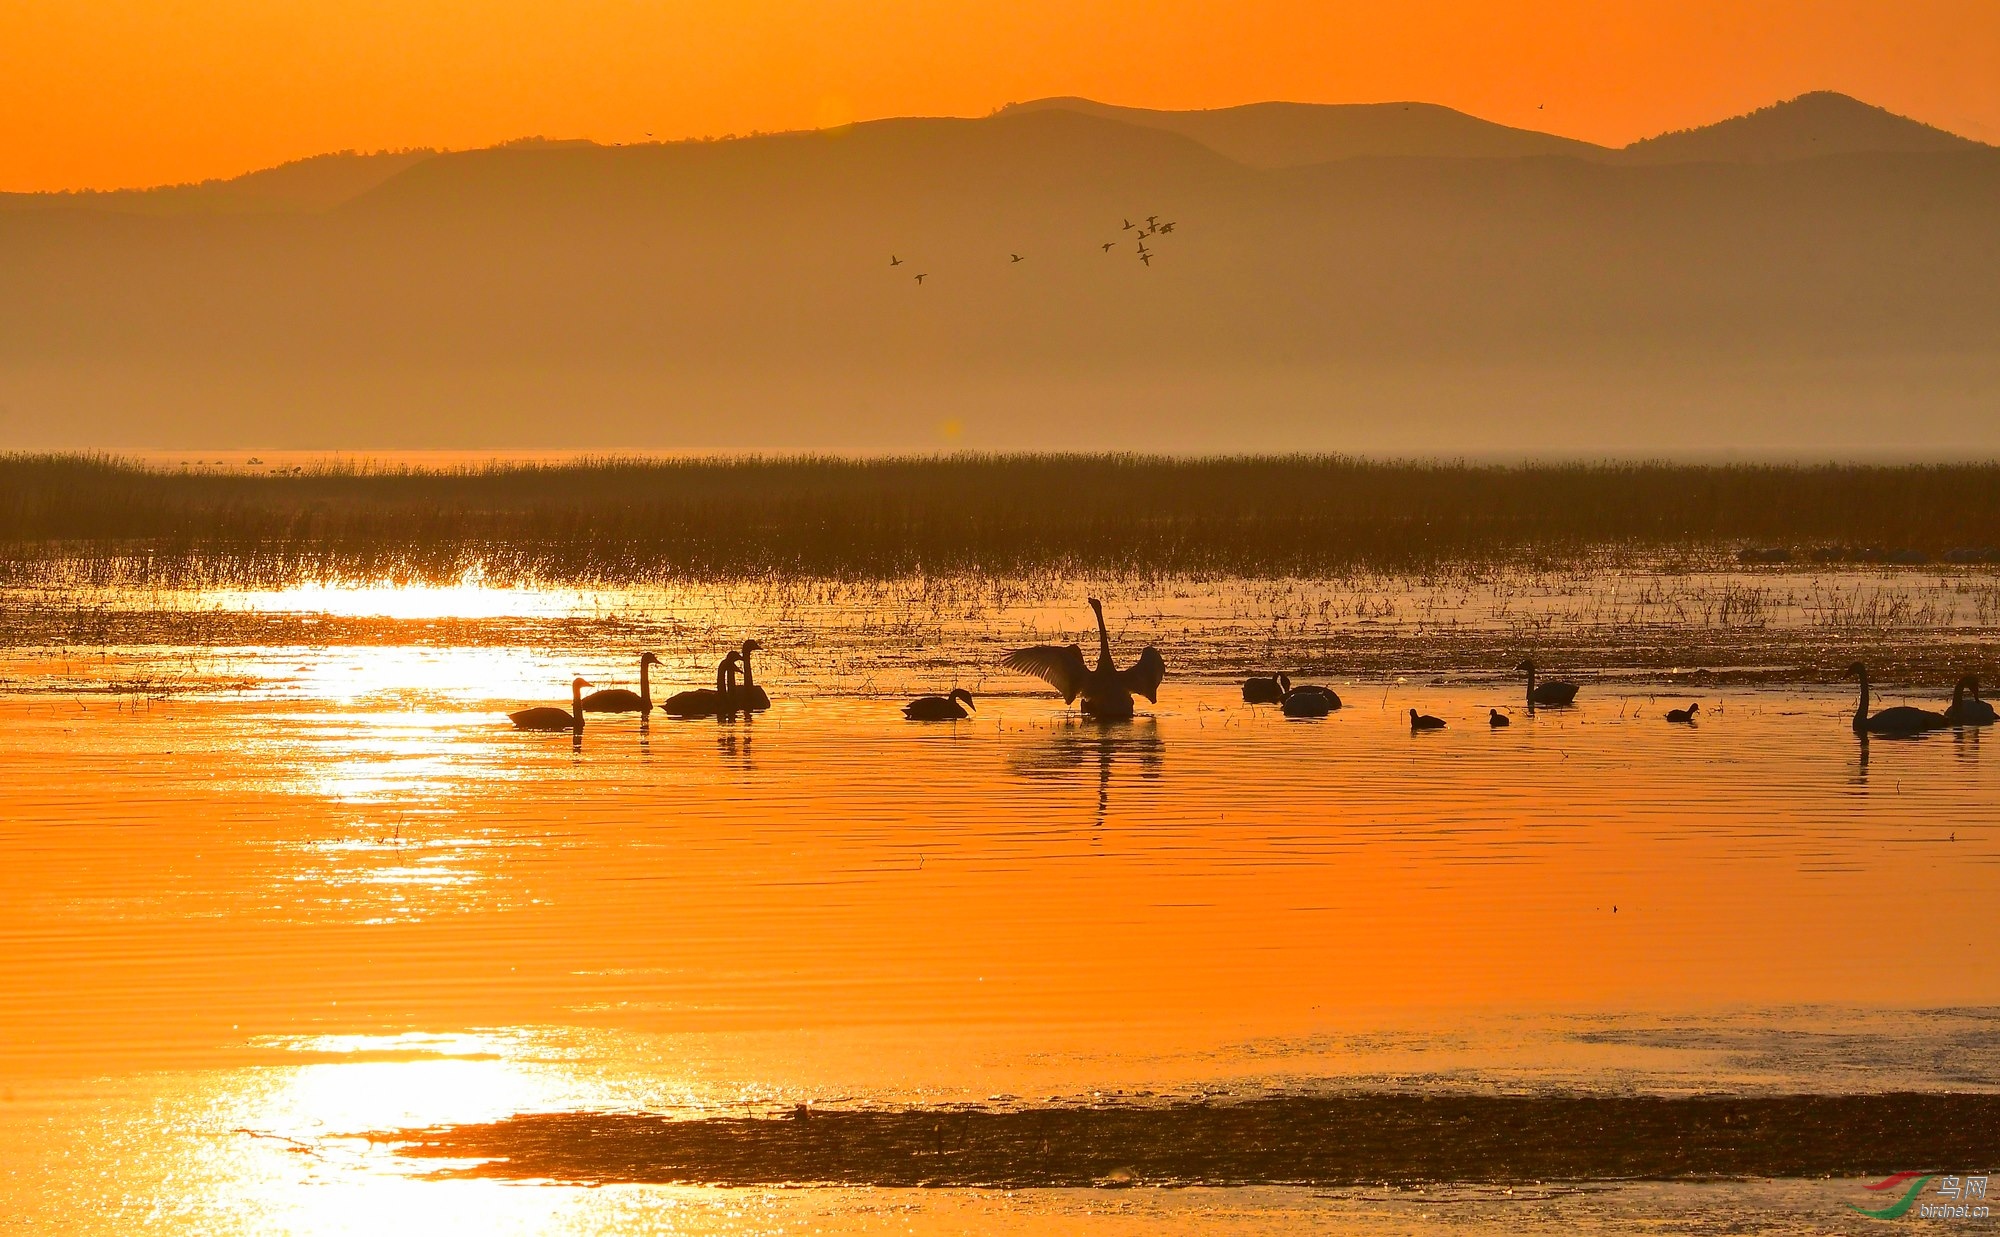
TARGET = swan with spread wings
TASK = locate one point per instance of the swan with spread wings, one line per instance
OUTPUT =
(1107, 691)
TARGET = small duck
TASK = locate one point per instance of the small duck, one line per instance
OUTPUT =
(1424, 721)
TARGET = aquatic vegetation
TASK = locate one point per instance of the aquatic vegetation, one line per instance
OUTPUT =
(652, 520)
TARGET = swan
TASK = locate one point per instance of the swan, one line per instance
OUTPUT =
(1900, 720)
(1266, 691)
(1685, 716)
(945, 708)
(1424, 721)
(1969, 712)
(625, 700)
(1553, 692)
(1301, 702)
(708, 701)
(549, 717)
(1496, 719)
(750, 697)
(1107, 691)
(1310, 700)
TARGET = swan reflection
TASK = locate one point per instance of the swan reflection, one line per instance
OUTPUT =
(1079, 744)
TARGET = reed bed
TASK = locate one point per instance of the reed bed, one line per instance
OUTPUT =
(619, 520)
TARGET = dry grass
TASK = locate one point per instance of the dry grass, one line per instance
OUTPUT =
(618, 520)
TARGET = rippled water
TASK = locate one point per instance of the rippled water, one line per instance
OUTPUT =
(261, 900)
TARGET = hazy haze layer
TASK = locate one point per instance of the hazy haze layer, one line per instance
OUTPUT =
(1463, 299)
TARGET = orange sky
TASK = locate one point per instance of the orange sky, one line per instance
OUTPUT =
(105, 93)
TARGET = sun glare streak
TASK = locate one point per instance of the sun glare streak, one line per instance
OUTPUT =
(471, 596)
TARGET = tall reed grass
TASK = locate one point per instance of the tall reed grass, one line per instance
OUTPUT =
(647, 519)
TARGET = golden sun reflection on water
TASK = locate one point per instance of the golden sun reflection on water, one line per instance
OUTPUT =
(472, 596)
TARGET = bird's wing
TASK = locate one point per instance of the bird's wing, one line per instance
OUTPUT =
(1059, 665)
(1143, 676)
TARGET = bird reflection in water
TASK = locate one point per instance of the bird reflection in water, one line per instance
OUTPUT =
(1078, 744)
(734, 732)
(1965, 742)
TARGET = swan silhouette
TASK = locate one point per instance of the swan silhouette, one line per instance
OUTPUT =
(1309, 700)
(750, 697)
(1266, 690)
(945, 708)
(1107, 691)
(708, 701)
(1553, 692)
(1971, 711)
(624, 699)
(1900, 720)
(549, 717)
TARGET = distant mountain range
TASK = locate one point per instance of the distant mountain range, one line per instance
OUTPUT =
(1819, 276)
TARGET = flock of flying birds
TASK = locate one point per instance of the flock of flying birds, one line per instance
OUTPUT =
(1153, 226)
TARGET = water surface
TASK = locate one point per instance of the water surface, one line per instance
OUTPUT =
(264, 899)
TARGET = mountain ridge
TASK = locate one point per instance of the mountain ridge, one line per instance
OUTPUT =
(1262, 136)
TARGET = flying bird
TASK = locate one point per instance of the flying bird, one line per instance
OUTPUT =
(1166, 227)
(1107, 691)
(1147, 258)
(1015, 256)
(1108, 246)
(1152, 221)
(894, 260)
(1129, 225)
(920, 279)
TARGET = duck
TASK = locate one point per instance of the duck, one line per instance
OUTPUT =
(1901, 720)
(954, 705)
(1424, 721)
(1496, 719)
(1684, 717)
(1553, 693)
(708, 701)
(1266, 691)
(549, 717)
(624, 699)
(1970, 711)
(751, 697)
(1106, 691)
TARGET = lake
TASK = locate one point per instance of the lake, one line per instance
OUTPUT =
(285, 895)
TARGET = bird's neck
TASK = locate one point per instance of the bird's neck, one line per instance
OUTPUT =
(1861, 710)
(746, 671)
(576, 705)
(646, 682)
(1103, 638)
